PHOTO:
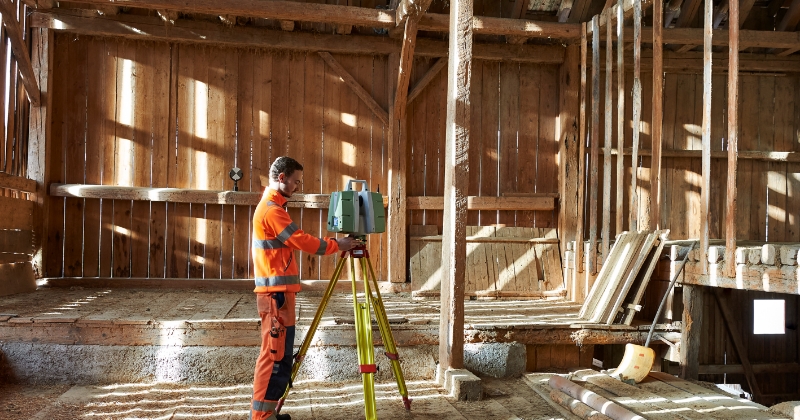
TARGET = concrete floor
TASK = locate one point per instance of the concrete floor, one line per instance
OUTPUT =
(504, 399)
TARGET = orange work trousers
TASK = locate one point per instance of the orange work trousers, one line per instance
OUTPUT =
(274, 364)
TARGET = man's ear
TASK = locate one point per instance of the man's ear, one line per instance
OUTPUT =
(281, 177)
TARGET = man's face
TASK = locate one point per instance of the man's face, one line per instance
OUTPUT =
(287, 185)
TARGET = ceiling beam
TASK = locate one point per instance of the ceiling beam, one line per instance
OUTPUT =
(281, 10)
(484, 25)
(791, 17)
(20, 51)
(153, 28)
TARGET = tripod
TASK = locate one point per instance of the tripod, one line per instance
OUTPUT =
(363, 325)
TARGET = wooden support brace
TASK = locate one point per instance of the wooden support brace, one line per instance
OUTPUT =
(427, 79)
(404, 72)
(20, 51)
(357, 88)
(732, 325)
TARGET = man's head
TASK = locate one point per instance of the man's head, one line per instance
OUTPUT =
(286, 175)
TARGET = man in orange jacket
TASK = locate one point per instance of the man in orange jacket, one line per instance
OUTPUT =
(275, 237)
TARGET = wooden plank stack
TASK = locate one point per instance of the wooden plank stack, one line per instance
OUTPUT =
(615, 295)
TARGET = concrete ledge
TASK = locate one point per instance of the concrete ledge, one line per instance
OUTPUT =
(98, 365)
(463, 385)
(498, 360)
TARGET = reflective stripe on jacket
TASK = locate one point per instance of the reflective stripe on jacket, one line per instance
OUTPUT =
(275, 237)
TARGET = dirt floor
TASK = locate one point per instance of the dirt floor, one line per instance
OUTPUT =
(503, 399)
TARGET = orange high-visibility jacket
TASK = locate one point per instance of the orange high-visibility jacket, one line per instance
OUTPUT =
(275, 237)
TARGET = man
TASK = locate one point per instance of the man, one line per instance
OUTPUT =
(275, 237)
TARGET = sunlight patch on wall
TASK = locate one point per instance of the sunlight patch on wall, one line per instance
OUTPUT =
(349, 119)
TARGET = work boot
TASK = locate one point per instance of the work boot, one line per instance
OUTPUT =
(283, 417)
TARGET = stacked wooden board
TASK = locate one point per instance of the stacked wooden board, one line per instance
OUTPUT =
(659, 396)
(501, 261)
(620, 285)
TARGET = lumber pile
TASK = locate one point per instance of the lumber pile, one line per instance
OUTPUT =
(589, 394)
(615, 295)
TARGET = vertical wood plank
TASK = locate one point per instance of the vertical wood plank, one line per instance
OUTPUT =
(733, 136)
(748, 138)
(107, 118)
(163, 128)
(637, 112)
(657, 119)
(569, 158)
(228, 160)
(416, 136)
(456, 181)
(705, 189)
(295, 145)
(595, 144)
(581, 291)
(475, 152)
(181, 106)
(691, 335)
(312, 138)
(246, 141)
(548, 143)
(396, 258)
(199, 107)
(489, 139)
(531, 142)
(94, 154)
(332, 148)
(620, 219)
(142, 138)
(609, 115)
(509, 128)
(75, 143)
(766, 141)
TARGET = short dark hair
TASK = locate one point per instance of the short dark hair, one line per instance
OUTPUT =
(284, 165)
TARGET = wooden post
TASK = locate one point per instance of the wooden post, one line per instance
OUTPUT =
(637, 112)
(39, 139)
(404, 73)
(396, 219)
(690, 335)
(594, 145)
(620, 115)
(456, 185)
(733, 137)
(705, 189)
(609, 114)
(569, 83)
(579, 254)
(658, 114)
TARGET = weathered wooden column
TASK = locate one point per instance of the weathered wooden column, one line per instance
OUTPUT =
(620, 219)
(693, 297)
(595, 145)
(609, 131)
(568, 104)
(637, 112)
(396, 217)
(39, 138)
(658, 114)
(733, 137)
(580, 292)
(705, 189)
(456, 184)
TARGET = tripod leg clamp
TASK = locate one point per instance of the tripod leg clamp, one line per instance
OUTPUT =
(368, 368)
(392, 356)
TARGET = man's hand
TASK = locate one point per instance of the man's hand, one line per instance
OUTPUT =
(347, 243)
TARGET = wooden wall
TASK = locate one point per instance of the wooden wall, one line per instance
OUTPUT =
(768, 192)
(180, 116)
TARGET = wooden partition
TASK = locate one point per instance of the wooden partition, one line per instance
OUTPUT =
(161, 115)
(768, 191)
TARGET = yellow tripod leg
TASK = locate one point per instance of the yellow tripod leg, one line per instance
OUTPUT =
(387, 337)
(366, 352)
(312, 329)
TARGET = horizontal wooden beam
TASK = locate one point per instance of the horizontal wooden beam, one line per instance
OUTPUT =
(692, 62)
(485, 203)
(492, 294)
(484, 25)
(20, 51)
(609, 15)
(154, 29)
(696, 154)
(18, 183)
(747, 38)
(789, 368)
(281, 10)
(489, 240)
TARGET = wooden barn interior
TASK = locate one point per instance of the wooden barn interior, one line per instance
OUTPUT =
(549, 169)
